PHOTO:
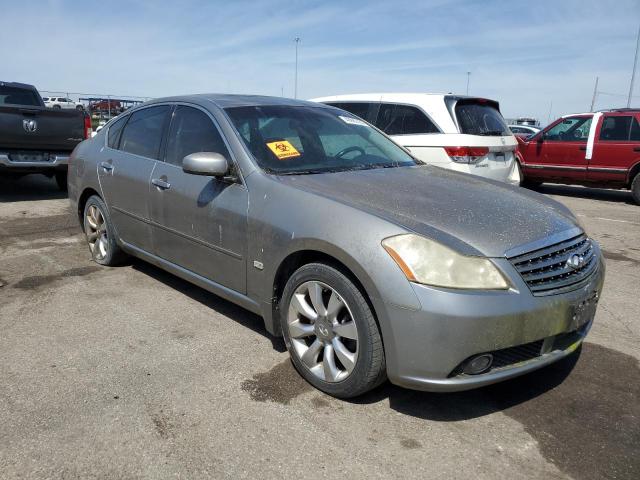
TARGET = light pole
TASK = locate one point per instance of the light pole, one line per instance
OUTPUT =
(633, 74)
(468, 77)
(295, 85)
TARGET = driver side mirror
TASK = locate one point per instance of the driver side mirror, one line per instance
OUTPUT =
(206, 163)
(540, 138)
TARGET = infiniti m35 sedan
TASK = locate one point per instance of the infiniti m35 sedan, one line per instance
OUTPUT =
(371, 265)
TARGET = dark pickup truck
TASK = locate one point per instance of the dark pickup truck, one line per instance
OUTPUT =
(34, 138)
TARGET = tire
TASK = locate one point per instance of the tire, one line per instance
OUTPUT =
(350, 359)
(79, 108)
(61, 180)
(635, 189)
(57, 107)
(103, 247)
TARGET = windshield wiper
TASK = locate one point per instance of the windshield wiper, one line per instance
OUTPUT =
(303, 172)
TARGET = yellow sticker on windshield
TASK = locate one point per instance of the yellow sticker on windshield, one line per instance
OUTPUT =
(283, 149)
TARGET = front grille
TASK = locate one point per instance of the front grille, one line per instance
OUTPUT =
(547, 271)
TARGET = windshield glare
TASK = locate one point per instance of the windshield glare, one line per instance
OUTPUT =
(297, 140)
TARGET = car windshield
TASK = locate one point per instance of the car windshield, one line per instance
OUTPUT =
(290, 140)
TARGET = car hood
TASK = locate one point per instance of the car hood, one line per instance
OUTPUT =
(468, 213)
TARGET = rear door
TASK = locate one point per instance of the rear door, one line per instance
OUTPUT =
(133, 148)
(199, 222)
(559, 152)
(616, 147)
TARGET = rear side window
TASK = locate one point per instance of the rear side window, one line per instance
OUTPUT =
(475, 118)
(115, 130)
(143, 133)
(192, 131)
(403, 120)
(364, 110)
(616, 128)
(18, 96)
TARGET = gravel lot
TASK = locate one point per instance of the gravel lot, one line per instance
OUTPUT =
(130, 372)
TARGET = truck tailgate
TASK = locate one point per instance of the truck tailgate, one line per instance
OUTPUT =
(54, 130)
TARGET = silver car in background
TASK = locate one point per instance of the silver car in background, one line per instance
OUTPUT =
(370, 264)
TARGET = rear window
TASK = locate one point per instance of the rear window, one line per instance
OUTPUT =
(18, 96)
(475, 118)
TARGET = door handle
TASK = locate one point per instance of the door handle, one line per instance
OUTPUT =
(161, 184)
(106, 166)
(584, 149)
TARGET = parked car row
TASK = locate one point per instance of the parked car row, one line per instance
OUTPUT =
(370, 263)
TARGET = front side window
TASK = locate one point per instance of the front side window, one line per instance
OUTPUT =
(480, 117)
(143, 133)
(289, 140)
(575, 129)
(192, 131)
(115, 130)
(616, 128)
(403, 120)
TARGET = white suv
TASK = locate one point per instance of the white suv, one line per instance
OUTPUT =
(61, 102)
(466, 134)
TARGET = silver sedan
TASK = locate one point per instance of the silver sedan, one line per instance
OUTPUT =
(368, 263)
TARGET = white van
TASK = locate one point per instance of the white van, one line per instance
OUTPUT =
(466, 134)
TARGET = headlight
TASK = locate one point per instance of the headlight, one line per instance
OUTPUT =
(425, 261)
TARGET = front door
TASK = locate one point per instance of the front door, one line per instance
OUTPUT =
(560, 151)
(198, 222)
(616, 148)
(133, 147)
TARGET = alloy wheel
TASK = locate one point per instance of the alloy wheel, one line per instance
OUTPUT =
(323, 333)
(96, 231)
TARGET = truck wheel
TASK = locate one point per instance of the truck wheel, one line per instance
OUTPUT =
(61, 180)
(635, 189)
(100, 233)
(330, 332)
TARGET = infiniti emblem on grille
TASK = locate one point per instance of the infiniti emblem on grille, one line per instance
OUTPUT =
(575, 261)
(29, 125)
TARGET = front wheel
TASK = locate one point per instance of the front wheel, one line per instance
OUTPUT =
(100, 233)
(330, 332)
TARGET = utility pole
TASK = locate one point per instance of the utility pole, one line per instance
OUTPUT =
(595, 93)
(550, 108)
(295, 85)
(633, 73)
(468, 76)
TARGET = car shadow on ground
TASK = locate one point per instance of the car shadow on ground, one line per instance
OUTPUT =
(29, 187)
(220, 305)
(576, 191)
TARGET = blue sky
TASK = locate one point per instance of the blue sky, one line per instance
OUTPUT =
(525, 54)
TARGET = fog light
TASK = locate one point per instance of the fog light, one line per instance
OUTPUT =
(478, 364)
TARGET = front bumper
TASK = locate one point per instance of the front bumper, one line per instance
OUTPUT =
(425, 348)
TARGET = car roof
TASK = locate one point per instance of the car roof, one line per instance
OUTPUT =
(223, 100)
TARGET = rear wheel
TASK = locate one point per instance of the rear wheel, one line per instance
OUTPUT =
(330, 332)
(635, 189)
(100, 234)
(57, 107)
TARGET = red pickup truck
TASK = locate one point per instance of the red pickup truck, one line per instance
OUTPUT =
(599, 149)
